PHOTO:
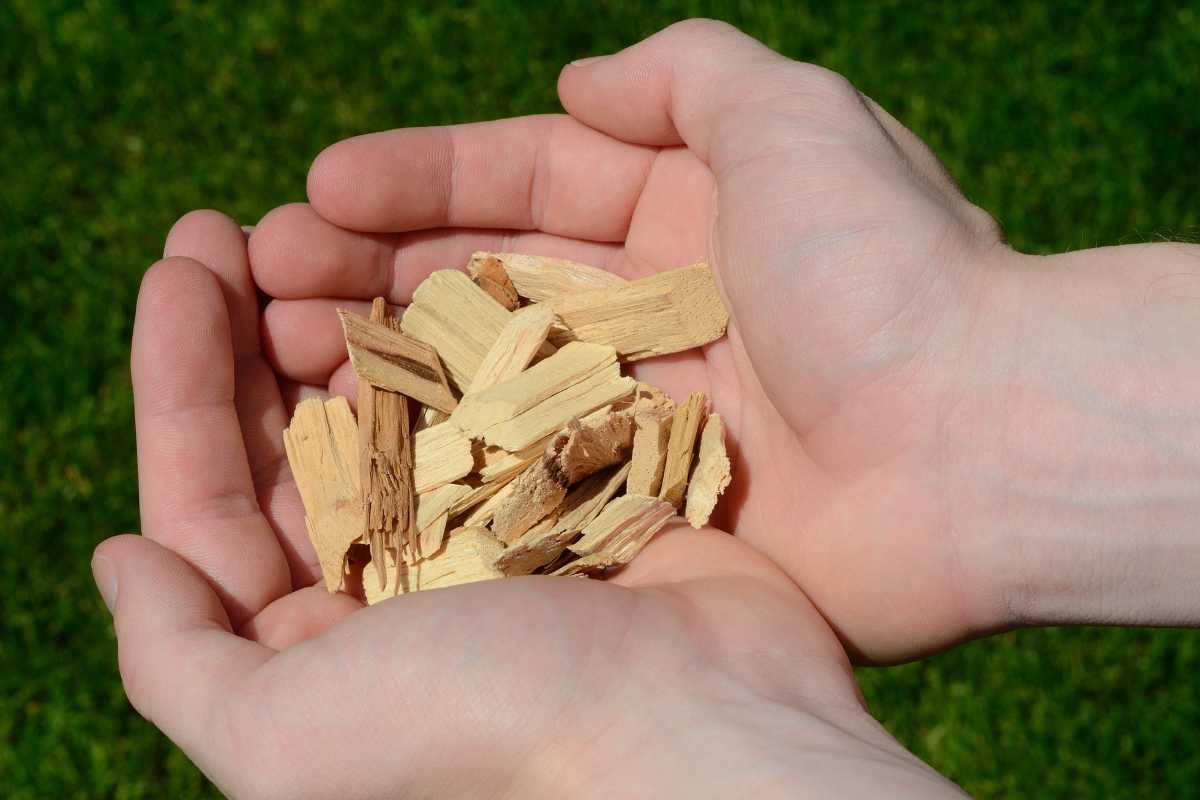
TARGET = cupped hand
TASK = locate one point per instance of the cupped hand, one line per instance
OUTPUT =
(701, 670)
(859, 280)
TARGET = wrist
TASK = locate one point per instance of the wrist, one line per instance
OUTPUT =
(1082, 451)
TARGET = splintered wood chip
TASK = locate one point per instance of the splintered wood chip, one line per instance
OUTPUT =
(388, 359)
(468, 555)
(620, 531)
(540, 278)
(684, 427)
(665, 313)
(711, 475)
(527, 451)
(322, 449)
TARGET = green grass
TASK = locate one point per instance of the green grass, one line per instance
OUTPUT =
(1074, 123)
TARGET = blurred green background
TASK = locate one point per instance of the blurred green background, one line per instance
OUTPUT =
(1075, 123)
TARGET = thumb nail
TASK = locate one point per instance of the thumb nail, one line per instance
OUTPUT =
(105, 575)
(582, 62)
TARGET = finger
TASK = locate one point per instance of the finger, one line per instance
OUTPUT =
(299, 616)
(546, 173)
(303, 339)
(344, 382)
(220, 245)
(294, 393)
(217, 242)
(295, 253)
(197, 493)
(179, 660)
(692, 83)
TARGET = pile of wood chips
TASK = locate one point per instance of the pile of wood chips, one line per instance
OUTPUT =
(526, 433)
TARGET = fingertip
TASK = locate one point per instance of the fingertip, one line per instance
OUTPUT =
(171, 277)
(329, 178)
(198, 229)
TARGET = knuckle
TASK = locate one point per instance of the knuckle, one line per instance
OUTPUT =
(823, 82)
(702, 27)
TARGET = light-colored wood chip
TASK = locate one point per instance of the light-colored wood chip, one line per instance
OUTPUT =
(514, 348)
(711, 475)
(478, 493)
(555, 412)
(647, 397)
(665, 313)
(618, 533)
(536, 492)
(650, 442)
(458, 319)
(427, 417)
(385, 459)
(579, 450)
(441, 455)
(545, 541)
(482, 514)
(433, 511)
(684, 427)
(322, 449)
(539, 278)
(591, 444)
(489, 274)
(468, 555)
(388, 359)
(501, 402)
(496, 463)
(514, 414)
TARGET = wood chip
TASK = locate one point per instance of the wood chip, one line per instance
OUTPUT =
(514, 348)
(516, 413)
(441, 455)
(539, 278)
(467, 556)
(322, 449)
(618, 533)
(650, 442)
(478, 493)
(665, 313)
(427, 417)
(711, 475)
(433, 511)
(536, 492)
(388, 359)
(483, 513)
(458, 319)
(545, 541)
(489, 274)
(684, 427)
(581, 449)
(577, 401)
(385, 459)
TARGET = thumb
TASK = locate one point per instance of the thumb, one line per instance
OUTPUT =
(178, 657)
(684, 83)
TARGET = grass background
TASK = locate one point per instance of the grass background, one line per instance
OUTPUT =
(1075, 123)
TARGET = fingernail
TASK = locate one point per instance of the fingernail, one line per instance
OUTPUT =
(581, 62)
(247, 230)
(105, 575)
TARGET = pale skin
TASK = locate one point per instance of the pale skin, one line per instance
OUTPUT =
(935, 438)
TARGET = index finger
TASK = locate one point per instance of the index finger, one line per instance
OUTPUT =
(549, 173)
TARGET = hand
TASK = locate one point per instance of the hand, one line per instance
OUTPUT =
(854, 270)
(906, 449)
(700, 671)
